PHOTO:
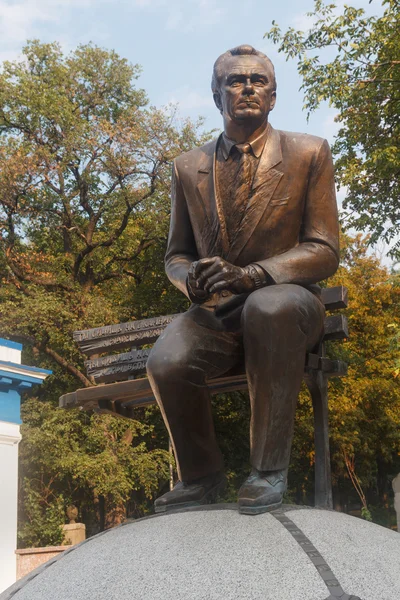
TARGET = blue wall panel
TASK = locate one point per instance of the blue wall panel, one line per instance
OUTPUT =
(10, 401)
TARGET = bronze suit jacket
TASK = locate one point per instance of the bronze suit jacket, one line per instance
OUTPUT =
(290, 226)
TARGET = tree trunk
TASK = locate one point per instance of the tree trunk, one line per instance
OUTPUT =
(382, 481)
(114, 515)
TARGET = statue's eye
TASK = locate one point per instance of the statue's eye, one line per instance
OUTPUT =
(234, 83)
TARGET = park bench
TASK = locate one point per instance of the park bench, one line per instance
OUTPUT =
(120, 391)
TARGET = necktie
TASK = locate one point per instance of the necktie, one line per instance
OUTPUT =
(243, 182)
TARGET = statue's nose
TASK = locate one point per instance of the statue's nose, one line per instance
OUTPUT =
(249, 87)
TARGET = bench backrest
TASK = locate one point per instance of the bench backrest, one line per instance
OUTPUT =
(134, 334)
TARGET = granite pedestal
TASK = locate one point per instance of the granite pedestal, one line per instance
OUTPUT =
(213, 553)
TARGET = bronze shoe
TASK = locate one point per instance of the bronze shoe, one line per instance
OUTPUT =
(194, 493)
(262, 491)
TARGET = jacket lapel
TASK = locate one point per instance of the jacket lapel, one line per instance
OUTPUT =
(213, 234)
(265, 183)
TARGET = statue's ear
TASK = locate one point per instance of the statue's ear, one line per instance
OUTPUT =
(217, 100)
(273, 100)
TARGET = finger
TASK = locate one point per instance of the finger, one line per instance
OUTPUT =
(200, 293)
(192, 268)
(194, 290)
(215, 268)
(219, 286)
(191, 277)
(214, 279)
(192, 282)
(203, 264)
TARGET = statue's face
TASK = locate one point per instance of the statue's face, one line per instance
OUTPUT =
(246, 90)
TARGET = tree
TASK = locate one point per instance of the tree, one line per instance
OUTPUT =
(84, 197)
(85, 168)
(353, 62)
(98, 462)
(364, 406)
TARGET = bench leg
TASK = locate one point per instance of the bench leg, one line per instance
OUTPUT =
(317, 384)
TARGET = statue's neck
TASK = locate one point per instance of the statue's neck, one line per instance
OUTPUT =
(244, 132)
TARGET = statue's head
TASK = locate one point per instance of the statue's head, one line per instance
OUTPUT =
(244, 85)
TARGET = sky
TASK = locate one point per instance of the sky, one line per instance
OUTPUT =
(176, 43)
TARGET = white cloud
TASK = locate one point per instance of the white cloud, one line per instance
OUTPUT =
(302, 22)
(25, 19)
(18, 20)
(330, 127)
(341, 195)
(10, 55)
(21, 20)
(189, 15)
(208, 12)
(340, 4)
(174, 19)
(188, 99)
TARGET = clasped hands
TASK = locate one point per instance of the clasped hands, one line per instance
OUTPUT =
(210, 275)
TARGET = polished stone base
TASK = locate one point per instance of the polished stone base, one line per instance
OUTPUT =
(214, 553)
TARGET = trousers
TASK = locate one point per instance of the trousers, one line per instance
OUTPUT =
(270, 330)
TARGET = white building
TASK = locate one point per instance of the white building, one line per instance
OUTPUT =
(14, 379)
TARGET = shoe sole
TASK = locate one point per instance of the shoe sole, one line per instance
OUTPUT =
(258, 510)
(180, 506)
(208, 498)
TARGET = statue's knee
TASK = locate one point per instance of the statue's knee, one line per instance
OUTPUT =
(157, 367)
(269, 305)
(164, 367)
(265, 303)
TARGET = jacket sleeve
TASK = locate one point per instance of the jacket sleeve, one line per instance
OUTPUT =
(181, 247)
(316, 257)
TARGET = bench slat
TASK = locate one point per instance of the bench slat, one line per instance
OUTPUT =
(118, 367)
(121, 397)
(134, 393)
(121, 366)
(122, 335)
(334, 298)
(333, 368)
(88, 398)
(336, 327)
(138, 333)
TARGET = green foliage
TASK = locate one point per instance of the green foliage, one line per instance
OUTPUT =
(84, 205)
(365, 405)
(232, 421)
(353, 62)
(68, 457)
(365, 514)
(43, 518)
(84, 197)
(85, 166)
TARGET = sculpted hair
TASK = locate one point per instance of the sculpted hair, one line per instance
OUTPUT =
(244, 50)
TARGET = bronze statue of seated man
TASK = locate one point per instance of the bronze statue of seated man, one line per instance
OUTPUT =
(253, 228)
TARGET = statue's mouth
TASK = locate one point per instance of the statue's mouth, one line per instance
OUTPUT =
(249, 103)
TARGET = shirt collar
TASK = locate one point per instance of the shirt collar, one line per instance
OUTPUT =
(257, 145)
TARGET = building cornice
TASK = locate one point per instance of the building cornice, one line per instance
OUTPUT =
(9, 434)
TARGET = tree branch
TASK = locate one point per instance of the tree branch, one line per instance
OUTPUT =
(67, 366)
(24, 277)
(117, 233)
(43, 347)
